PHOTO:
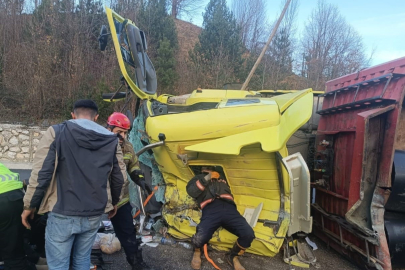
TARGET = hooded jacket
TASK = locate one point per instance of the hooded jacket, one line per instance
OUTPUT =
(72, 165)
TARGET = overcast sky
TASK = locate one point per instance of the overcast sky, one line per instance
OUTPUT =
(380, 23)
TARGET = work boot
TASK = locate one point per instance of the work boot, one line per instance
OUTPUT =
(232, 257)
(196, 261)
(137, 262)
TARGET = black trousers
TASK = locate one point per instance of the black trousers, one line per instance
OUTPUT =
(12, 231)
(35, 238)
(221, 213)
(125, 230)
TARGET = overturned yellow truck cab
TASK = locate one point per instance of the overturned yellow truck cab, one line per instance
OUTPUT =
(241, 132)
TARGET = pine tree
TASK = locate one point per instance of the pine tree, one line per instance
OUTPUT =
(165, 64)
(280, 59)
(218, 54)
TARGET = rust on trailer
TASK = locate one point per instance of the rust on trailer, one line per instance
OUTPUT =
(359, 130)
(400, 136)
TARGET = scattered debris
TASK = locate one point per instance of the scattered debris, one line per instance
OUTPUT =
(158, 225)
(185, 245)
(96, 244)
(219, 260)
(148, 225)
(108, 225)
(152, 244)
(157, 238)
(163, 231)
(141, 222)
(145, 233)
(167, 241)
(298, 253)
(312, 244)
(252, 215)
(147, 238)
(109, 244)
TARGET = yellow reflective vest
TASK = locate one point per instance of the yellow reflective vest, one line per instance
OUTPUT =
(9, 180)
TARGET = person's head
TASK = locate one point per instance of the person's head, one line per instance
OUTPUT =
(85, 109)
(207, 168)
(119, 123)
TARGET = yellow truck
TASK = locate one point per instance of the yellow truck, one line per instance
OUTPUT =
(243, 132)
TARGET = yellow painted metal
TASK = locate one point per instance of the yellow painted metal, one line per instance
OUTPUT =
(214, 123)
(248, 161)
(114, 100)
(111, 15)
(253, 179)
(293, 116)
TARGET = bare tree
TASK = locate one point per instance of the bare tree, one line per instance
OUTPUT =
(251, 17)
(184, 7)
(331, 47)
(282, 49)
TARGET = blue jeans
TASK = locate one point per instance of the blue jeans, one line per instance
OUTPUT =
(64, 232)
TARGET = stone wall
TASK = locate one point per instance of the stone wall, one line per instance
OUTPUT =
(18, 143)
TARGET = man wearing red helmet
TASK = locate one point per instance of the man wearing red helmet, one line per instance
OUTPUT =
(119, 123)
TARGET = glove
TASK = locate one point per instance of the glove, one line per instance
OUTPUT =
(209, 176)
(139, 178)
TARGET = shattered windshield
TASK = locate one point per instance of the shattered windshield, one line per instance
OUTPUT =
(124, 44)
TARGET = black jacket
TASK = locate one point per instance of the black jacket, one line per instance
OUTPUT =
(206, 190)
(72, 165)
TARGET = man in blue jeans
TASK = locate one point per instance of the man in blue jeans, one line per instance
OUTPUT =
(72, 165)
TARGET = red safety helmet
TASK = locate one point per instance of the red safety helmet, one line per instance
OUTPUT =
(119, 120)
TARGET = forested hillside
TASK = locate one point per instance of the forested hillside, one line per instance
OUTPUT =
(49, 53)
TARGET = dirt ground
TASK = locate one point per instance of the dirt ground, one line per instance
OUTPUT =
(178, 258)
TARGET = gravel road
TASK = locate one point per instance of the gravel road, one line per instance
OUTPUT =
(178, 258)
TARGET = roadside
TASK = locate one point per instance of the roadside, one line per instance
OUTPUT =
(178, 258)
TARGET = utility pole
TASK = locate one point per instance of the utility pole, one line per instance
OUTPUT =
(273, 33)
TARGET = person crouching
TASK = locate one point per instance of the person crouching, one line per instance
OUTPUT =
(213, 194)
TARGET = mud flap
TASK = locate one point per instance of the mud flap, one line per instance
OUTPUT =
(301, 220)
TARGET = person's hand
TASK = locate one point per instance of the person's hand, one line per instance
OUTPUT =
(139, 178)
(210, 175)
(112, 213)
(24, 217)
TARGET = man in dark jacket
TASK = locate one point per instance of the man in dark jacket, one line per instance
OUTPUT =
(215, 199)
(72, 165)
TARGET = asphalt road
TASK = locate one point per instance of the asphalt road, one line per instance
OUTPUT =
(178, 258)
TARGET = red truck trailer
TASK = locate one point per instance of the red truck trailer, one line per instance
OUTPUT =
(358, 176)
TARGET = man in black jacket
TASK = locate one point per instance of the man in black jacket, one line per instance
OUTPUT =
(72, 165)
(215, 199)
